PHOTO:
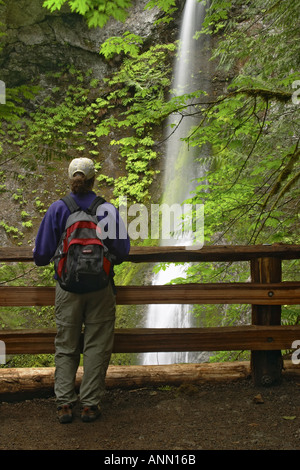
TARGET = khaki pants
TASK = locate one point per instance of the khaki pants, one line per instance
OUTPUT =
(96, 312)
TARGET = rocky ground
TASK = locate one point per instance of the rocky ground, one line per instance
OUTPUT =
(227, 416)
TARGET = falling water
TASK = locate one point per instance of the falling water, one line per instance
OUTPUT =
(180, 173)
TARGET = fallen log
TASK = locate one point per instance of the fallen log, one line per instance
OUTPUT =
(20, 383)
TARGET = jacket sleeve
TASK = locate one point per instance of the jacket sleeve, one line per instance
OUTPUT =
(49, 233)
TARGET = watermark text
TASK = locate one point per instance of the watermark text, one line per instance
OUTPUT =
(2, 353)
(2, 92)
(182, 223)
(295, 99)
(296, 353)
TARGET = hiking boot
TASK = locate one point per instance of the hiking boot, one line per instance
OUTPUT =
(65, 414)
(90, 413)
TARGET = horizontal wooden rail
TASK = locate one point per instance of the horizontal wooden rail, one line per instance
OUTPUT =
(265, 338)
(284, 293)
(250, 337)
(158, 254)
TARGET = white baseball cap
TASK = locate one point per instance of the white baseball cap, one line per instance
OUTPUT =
(82, 165)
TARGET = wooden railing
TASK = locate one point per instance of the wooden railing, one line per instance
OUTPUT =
(266, 293)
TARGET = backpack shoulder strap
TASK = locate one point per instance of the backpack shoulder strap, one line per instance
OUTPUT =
(70, 203)
(96, 202)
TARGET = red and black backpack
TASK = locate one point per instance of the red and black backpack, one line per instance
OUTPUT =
(81, 261)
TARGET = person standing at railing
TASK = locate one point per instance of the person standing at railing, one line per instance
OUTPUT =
(94, 310)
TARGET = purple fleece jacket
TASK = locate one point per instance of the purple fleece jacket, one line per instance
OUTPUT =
(54, 221)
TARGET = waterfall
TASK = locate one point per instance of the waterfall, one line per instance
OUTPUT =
(180, 173)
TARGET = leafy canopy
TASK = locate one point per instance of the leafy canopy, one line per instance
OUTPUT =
(98, 12)
(251, 190)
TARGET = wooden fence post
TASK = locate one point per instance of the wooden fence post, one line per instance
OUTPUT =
(266, 366)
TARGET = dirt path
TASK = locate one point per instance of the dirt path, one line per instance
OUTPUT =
(206, 417)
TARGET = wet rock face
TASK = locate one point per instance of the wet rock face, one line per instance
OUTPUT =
(37, 41)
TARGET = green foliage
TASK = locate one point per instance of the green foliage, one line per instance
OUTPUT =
(262, 34)
(30, 360)
(22, 274)
(251, 190)
(14, 108)
(246, 187)
(96, 12)
(129, 44)
(74, 119)
(139, 89)
(10, 229)
(167, 6)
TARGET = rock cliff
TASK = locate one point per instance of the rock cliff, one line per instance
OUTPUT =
(38, 41)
